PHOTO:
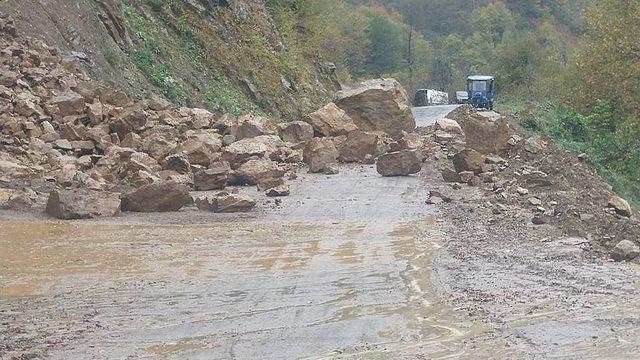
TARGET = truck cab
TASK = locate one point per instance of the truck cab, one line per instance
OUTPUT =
(481, 90)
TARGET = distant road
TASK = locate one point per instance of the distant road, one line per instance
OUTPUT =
(427, 115)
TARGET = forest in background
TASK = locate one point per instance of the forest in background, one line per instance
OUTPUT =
(567, 68)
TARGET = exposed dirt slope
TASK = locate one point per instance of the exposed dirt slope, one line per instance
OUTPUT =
(225, 55)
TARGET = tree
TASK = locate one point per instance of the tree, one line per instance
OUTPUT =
(385, 51)
(442, 71)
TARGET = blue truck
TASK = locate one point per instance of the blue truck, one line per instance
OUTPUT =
(481, 90)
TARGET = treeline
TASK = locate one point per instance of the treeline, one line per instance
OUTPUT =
(436, 43)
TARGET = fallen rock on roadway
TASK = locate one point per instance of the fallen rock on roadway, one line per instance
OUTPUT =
(379, 104)
(401, 163)
(331, 121)
(469, 160)
(162, 196)
(486, 136)
(225, 202)
(319, 154)
(363, 147)
(82, 204)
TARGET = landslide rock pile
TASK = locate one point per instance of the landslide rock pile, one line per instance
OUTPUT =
(529, 183)
(86, 150)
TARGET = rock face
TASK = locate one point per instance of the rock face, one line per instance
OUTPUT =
(363, 147)
(162, 196)
(295, 132)
(469, 160)
(330, 121)
(486, 136)
(401, 163)
(319, 154)
(380, 104)
(625, 250)
(82, 204)
(621, 206)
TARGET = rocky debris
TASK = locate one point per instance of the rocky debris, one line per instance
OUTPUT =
(486, 136)
(522, 191)
(330, 121)
(625, 250)
(470, 160)
(213, 178)
(225, 202)
(378, 105)
(363, 147)
(621, 206)
(295, 132)
(319, 153)
(401, 163)
(278, 191)
(534, 201)
(448, 126)
(161, 196)
(82, 204)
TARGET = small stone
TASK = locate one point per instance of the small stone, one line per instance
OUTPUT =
(621, 206)
(435, 200)
(625, 250)
(540, 219)
(535, 201)
(279, 191)
(522, 191)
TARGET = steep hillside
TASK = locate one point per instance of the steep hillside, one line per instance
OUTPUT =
(225, 55)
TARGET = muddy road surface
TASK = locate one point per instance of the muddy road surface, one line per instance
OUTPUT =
(343, 266)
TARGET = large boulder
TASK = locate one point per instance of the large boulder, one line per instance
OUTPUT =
(469, 160)
(161, 196)
(213, 178)
(379, 104)
(448, 126)
(401, 163)
(319, 153)
(226, 203)
(69, 103)
(251, 126)
(363, 147)
(485, 135)
(200, 149)
(259, 146)
(295, 132)
(330, 121)
(82, 204)
(251, 172)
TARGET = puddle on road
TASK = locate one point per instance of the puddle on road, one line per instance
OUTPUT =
(235, 285)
